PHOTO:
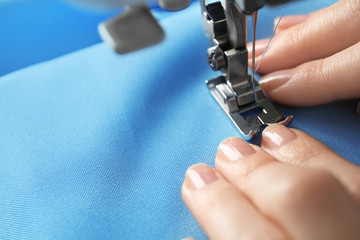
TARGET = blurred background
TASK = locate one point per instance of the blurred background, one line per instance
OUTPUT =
(33, 31)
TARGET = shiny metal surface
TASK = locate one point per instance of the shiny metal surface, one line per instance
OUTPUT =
(225, 25)
(174, 5)
(171, 5)
(237, 92)
(136, 27)
(254, 23)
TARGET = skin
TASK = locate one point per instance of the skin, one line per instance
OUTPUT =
(293, 186)
(309, 54)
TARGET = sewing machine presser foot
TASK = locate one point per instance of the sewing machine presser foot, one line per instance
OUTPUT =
(239, 95)
(250, 118)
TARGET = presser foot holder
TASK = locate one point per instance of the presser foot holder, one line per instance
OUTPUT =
(249, 118)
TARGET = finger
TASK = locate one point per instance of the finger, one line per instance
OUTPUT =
(307, 203)
(289, 21)
(323, 34)
(222, 210)
(296, 147)
(317, 82)
(285, 23)
(260, 47)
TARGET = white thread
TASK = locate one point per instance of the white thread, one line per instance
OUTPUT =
(272, 36)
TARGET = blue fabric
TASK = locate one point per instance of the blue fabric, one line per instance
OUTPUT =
(94, 145)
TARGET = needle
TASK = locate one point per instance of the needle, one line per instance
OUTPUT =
(254, 18)
(267, 46)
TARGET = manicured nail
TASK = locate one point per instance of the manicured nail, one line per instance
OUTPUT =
(200, 175)
(277, 135)
(234, 149)
(275, 80)
(276, 21)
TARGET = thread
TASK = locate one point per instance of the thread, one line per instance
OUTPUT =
(267, 46)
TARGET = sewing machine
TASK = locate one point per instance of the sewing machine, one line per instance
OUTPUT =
(225, 25)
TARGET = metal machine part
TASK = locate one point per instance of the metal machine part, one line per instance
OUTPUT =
(136, 27)
(235, 90)
(174, 5)
(171, 5)
(242, 99)
(109, 4)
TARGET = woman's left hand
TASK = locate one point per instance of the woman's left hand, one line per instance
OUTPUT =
(294, 187)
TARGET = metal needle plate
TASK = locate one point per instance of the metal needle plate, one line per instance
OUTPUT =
(245, 119)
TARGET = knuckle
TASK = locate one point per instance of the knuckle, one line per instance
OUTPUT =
(352, 8)
(320, 76)
(349, 8)
(294, 37)
(315, 75)
(317, 72)
(303, 189)
(310, 73)
(355, 55)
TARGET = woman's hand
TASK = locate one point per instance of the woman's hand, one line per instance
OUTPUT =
(313, 59)
(292, 188)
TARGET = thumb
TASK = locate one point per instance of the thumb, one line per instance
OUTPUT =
(317, 82)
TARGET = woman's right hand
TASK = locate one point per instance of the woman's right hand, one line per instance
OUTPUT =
(313, 59)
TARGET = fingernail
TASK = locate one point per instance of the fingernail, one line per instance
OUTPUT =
(234, 149)
(277, 135)
(200, 175)
(276, 21)
(273, 81)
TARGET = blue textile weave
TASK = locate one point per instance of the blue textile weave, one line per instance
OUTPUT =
(95, 145)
